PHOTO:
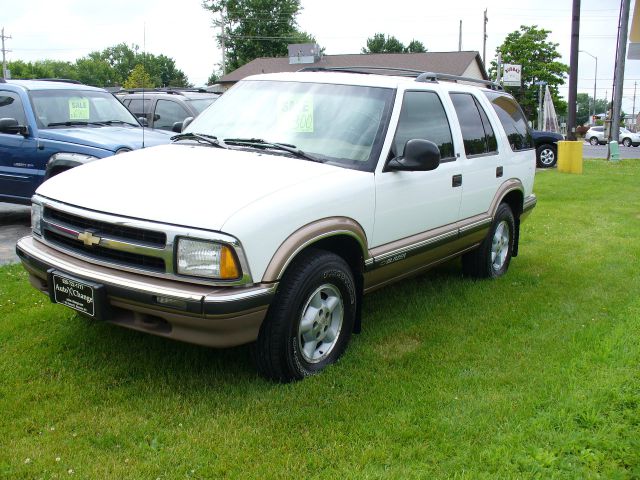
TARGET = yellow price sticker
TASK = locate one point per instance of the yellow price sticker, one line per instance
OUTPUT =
(79, 108)
(295, 113)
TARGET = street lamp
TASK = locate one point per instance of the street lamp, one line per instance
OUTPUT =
(595, 80)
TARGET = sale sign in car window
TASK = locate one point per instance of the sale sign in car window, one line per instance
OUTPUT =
(79, 108)
(295, 113)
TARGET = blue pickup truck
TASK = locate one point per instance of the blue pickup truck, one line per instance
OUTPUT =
(48, 126)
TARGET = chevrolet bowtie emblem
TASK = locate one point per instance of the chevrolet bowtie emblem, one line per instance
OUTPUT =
(88, 238)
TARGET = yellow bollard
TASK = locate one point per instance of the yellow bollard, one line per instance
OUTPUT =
(570, 156)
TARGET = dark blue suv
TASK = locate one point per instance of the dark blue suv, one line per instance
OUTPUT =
(47, 127)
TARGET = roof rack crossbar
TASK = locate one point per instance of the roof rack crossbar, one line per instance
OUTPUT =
(174, 90)
(434, 77)
(404, 72)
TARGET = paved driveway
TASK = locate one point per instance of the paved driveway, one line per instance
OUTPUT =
(600, 151)
(15, 222)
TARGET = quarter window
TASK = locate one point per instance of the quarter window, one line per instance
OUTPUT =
(423, 116)
(512, 119)
(477, 132)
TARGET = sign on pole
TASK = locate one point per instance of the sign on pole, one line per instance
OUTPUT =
(512, 75)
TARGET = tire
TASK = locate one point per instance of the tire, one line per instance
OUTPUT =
(626, 142)
(491, 259)
(309, 323)
(547, 156)
(594, 141)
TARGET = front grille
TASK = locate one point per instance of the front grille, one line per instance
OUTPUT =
(97, 252)
(148, 237)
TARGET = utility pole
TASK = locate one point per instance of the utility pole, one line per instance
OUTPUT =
(221, 23)
(614, 134)
(499, 69)
(573, 69)
(460, 38)
(4, 52)
(484, 39)
(635, 124)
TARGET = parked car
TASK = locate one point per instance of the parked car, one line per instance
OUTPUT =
(164, 108)
(595, 136)
(282, 204)
(546, 147)
(47, 127)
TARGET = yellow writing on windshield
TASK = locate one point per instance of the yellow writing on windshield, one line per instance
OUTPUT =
(295, 113)
(79, 108)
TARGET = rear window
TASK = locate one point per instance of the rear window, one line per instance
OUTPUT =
(512, 119)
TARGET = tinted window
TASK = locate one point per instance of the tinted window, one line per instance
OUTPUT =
(512, 119)
(11, 107)
(477, 133)
(167, 113)
(138, 108)
(423, 116)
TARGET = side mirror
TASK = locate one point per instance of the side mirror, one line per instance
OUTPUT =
(156, 117)
(186, 123)
(11, 125)
(419, 155)
(143, 121)
(177, 127)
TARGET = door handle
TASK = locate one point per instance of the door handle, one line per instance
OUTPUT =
(456, 180)
(499, 172)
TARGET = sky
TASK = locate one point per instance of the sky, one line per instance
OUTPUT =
(70, 29)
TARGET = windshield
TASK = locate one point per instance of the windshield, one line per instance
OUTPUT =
(65, 107)
(201, 103)
(340, 124)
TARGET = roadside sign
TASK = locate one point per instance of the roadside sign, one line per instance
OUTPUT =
(512, 75)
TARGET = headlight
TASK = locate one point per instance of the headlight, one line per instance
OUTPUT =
(203, 258)
(36, 218)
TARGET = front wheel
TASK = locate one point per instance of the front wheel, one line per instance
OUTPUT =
(547, 156)
(594, 141)
(626, 142)
(310, 321)
(491, 259)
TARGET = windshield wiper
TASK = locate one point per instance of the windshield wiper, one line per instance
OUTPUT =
(260, 143)
(199, 137)
(72, 123)
(111, 122)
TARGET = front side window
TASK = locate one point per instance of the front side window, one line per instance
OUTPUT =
(61, 108)
(167, 113)
(11, 107)
(512, 119)
(423, 116)
(339, 124)
(477, 133)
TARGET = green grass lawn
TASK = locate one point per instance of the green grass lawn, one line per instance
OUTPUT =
(535, 375)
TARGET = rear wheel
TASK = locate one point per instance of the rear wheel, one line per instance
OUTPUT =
(547, 156)
(594, 141)
(491, 259)
(310, 321)
(626, 142)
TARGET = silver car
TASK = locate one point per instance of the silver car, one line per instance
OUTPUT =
(595, 136)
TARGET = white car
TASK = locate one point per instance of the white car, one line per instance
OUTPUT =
(282, 204)
(595, 136)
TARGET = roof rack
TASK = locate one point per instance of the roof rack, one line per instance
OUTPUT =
(434, 77)
(60, 80)
(419, 75)
(172, 90)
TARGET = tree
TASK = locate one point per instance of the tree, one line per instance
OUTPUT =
(539, 59)
(381, 43)
(139, 78)
(256, 28)
(213, 78)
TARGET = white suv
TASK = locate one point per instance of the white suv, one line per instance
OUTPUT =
(595, 136)
(280, 206)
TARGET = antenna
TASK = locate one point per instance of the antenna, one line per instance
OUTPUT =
(144, 70)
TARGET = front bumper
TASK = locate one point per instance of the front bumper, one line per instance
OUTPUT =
(211, 316)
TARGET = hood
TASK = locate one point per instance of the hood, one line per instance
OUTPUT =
(108, 138)
(186, 185)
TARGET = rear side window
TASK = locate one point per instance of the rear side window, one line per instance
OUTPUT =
(477, 132)
(512, 119)
(138, 108)
(423, 116)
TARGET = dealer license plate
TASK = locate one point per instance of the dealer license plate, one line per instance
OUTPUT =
(74, 294)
